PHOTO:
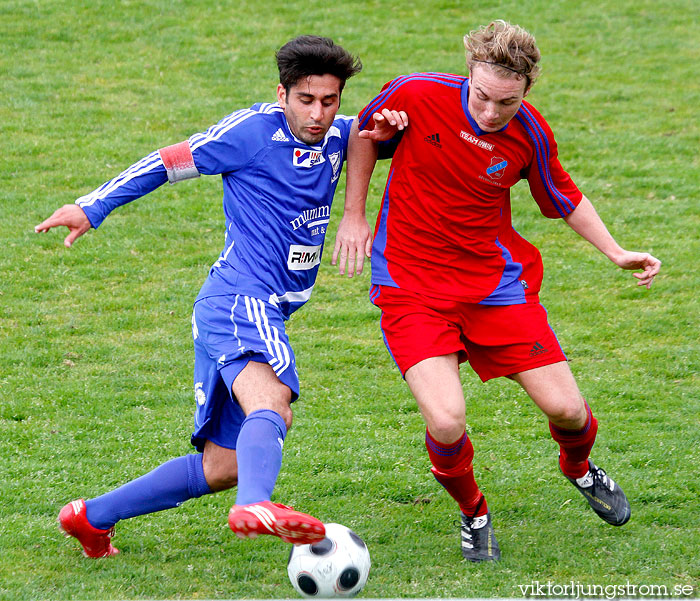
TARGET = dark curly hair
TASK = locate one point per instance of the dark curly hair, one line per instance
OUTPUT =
(313, 55)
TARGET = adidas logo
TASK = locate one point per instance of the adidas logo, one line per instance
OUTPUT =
(538, 349)
(434, 140)
(279, 136)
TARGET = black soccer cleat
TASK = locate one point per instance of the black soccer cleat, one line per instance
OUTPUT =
(605, 497)
(478, 539)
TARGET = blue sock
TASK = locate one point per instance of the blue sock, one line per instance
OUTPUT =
(165, 487)
(259, 455)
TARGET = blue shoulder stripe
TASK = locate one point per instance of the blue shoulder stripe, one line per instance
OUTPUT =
(231, 121)
(562, 204)
(459, 79)
(218, 130)
(270, 107)
(452, 81)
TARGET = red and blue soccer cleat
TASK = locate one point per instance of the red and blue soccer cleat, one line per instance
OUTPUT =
(72, 520)
(266, 517)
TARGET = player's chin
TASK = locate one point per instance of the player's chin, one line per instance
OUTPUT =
(490, 128)
(314, 136)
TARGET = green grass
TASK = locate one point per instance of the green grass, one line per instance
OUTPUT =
(95, 348)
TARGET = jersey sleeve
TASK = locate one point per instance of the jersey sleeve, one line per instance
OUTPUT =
(392, 96)
(228, 145)
(136, 181)
(222, 148)
(551, 186)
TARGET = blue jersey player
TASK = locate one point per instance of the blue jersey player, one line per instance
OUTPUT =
(280, 165)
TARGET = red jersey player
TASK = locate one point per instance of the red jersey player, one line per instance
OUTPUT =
(455, 282)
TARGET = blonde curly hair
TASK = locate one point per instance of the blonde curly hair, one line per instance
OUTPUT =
(508, 48)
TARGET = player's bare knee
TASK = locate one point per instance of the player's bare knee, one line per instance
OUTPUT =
(222, 481)
(228, 480)
(446, 430)
(221, 475)
(288, 417)
(220, 466)
(278, 401)
(285, 411)
(571, 415)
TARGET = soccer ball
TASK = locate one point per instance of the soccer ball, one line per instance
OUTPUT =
(338, 566)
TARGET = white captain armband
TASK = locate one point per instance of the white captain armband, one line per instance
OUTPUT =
(178, 162)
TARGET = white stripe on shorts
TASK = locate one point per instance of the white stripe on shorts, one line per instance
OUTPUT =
(281, 352)
(269, 334)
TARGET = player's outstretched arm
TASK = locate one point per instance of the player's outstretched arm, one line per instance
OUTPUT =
(73, 217)
(353, 241)
(586, 222)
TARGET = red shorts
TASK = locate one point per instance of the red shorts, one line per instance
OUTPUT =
(497, 340)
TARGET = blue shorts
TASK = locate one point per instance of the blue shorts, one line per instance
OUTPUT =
(228, 332)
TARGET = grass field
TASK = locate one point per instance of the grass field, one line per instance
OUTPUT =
(95, 347)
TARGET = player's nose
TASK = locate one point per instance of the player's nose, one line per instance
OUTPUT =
(316, 111)
(491, 111)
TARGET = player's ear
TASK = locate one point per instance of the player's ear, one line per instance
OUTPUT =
(281, 95)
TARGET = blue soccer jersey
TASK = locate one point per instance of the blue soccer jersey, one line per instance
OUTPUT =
(277, 200)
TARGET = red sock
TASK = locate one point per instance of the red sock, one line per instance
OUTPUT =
(575, 446)
(452, 467)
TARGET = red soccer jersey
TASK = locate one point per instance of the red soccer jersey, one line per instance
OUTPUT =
(444, 228)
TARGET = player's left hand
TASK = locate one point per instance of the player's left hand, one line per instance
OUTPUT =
(649, 265)
(353, 242)
(386, 125)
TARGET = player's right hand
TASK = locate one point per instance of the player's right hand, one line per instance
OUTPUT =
(73, 217)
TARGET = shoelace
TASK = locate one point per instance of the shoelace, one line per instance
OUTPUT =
(466, 522)
(601, 478)
(465, 525)
(466, 532)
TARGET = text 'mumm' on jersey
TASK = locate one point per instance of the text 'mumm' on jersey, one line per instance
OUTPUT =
(277, 199)
(444, 228)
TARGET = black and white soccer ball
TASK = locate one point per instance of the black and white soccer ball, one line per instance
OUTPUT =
(338, 566)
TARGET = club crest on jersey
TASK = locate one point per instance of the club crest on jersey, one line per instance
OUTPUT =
(497, 168)
(307, 158)
(199, 394)
(334, 158)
